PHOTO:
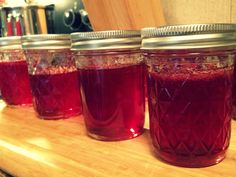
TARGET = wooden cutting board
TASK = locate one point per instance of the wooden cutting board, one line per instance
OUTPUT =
(124, 14)
(31, 147)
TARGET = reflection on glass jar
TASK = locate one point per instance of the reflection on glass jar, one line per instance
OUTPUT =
(14, 78)
(189, 92)
(234, 92)
(112, 82)
(53, 76)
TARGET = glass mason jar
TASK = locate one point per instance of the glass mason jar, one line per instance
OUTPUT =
(112, 83)
(190, 72)
(14, 78)
(53, 75)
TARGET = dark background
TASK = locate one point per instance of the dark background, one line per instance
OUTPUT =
(60, 8)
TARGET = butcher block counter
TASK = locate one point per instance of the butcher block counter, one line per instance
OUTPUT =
(30, 147)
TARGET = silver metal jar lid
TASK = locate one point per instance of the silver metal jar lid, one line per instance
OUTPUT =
(46, 41)
(12, 42)
(189, 36)
(115, 39)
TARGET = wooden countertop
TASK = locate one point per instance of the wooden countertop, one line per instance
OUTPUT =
(30, 147)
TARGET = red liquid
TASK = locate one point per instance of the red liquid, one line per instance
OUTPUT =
(113, 102)
(234, 93)
(14, 84)
(56, 95)
(190, 116)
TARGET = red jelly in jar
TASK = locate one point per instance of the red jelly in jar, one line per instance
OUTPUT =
(189, 91)
(234, 93)
(53, 76)
(14, 78)
(112, 83)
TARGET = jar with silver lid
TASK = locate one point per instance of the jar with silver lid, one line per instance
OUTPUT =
(190, 73)
(112, 79)
(14, 78)
(53, 75)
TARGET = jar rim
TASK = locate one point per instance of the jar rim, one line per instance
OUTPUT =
(46, 41)
(191, 36)
(102, 40)
(10, 42)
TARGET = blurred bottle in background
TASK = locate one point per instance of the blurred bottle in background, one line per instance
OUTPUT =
(24, 17)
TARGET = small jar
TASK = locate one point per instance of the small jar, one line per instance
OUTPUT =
(14, 78)
(112, 83)
(53, 75)
(190, 72)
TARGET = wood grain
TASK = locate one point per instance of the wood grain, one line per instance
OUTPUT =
(233, 11)
(124, 14)
(30, 147)
(203, 11)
